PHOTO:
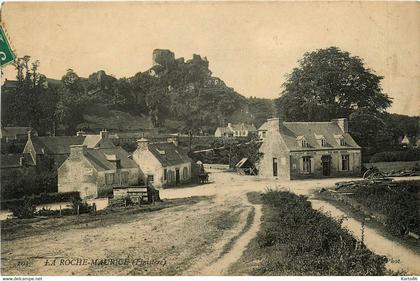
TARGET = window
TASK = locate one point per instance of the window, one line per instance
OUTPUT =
(323, 142)
(164, 174)
(306, 164)
(109, 178)
(342, 142)
(150, 178)
(303, 143)
(344, 162)
(263, 134)
(185, 173)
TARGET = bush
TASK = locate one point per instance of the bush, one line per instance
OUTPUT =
(24, 209)
(301, 241)
(412, 154)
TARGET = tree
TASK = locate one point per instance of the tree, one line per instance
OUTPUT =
(330, 83)
(73, 100)
(29, 102)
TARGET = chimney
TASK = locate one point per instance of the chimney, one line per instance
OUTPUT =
(229, 125)
(30, 134)
(80, 133)
(273, 124)
(142, 144)
(21, 159)
(342, 123)
(174, 140)
(103, 134)
(78, 150)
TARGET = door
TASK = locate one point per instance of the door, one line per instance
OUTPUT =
(275, 167)
(326, 165)
(177, 176)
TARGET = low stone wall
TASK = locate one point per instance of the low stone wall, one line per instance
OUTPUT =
(393, 166)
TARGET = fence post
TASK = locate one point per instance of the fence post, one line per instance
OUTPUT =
(60, 210)
(78, 209)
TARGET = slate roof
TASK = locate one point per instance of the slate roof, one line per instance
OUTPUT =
(56, 144)
(291, 132)
(101, 158)
(168, 154)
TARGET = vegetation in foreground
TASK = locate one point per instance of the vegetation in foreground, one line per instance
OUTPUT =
(297, 240)
(398, 202)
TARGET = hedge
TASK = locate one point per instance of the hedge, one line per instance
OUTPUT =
(412, 154)
(43, 198)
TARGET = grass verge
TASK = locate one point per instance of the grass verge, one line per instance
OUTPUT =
(295, 239)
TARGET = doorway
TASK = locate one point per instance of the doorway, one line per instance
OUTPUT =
(275, 172)
(177, 176)
(326, 165)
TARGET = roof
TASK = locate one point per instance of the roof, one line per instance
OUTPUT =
(224, 130)
(13, 131)
(241, 162)
(92, 140)
(103, 159)
(405, 140)
(55, 144)
(237, 127)
(244, 127)
(10, 160)
(291, 132)
(263, 127)
(168, 154)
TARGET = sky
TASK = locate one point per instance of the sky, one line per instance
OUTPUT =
(251, 46)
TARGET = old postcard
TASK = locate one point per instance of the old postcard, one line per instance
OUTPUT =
(210, 139)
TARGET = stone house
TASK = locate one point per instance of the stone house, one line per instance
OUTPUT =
(299, 150)
(57, 148)
(94, 172)
(162, 164)
(235, 130)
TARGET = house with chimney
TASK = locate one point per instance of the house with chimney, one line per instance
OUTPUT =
(235, 130)
(39, 150)
(300, 150)
(95, 171)
(162, 164)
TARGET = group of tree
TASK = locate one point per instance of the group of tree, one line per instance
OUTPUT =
(176, 90)
(331, 83)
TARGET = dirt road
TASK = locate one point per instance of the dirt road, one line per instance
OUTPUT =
(203, 236)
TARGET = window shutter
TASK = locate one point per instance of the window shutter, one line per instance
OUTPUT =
(350, 161)
(340, 163)
(312, 164)
(301, 164)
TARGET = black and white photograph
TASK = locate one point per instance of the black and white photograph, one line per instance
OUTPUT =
(210, 138)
